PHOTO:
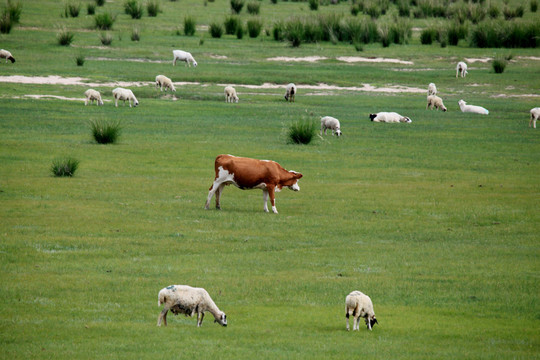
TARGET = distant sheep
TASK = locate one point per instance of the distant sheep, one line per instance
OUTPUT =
(331, 123)
(472, 108)
(92, 95)
(4, 54)
(290, 92)
(230, 94)
(164, 82)
(359, 305)
(124, 94)
(461, 69)
(184, 299)
(180, 55)
(434, 100)
(535, 115)
(432, 89)
(389, 117)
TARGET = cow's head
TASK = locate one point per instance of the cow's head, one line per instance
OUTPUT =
(292, 183)
(221, 319)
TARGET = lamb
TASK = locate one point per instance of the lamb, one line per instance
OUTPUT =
(472, 108)
(230, 94)
(432, 89)
(180, 55)
(291, 92)
(124, 94)
(164, 82)
(4, 54)
(535, 115)
(184, 299)
(92, 95)
(461, 69)
(434, 100)
(329, 122)
(359, 305)
(389, 117)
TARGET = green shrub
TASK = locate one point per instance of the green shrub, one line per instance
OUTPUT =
(302, 131)
(428, 35)
(104, 21)
(508, 34)
(499, 64)
(373, 11)
(105, 38)
(314, 5)
(278, 31)
(72, 10)
(239, 31)
(189, 26)
(231, 24)
(355, 9)
(254, 27)
(133, 8)
(273, 1)
(100, 2)
(254, 8)
(404, 9)
(91, 9)
(64, 167)
(510, 14)
(152, 7)
(5, 23)
(493, 12)
(384, 35)
(455, 32)
(534, 6)
(135, 34)
(105, 132)
(79, 60)
(216, 30)
(400, 31)
(236, 6)
(65, 37)
(358, 47)
(294, 32)
(14, 9)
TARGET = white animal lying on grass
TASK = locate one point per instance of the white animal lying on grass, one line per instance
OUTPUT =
(180, 55)
(331, 123)
(4, 54)
(359, 305)
(184, 299)
(461, 69)
(92, 95)
(389, 117)
(472, 108)
(535, 115)
(434, 100)
(164, 82)
(230, 94)
(124, 94)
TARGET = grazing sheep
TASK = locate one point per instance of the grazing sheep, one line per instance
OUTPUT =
(291, 92)
(124, 94)
(164, 82)
(184, 299)
(359, 305)
(180, 55)
(230, 94)
(432, 89)
(535, 115)
(461, 69)
(389, 117)
(329, 122)
(434, 100)
(4, 54)
(472, 108)
(92, 95)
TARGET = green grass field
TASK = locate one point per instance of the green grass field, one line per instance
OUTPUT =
(437, 220)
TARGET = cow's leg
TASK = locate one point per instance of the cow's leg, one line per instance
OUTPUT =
(218, 196)
(211, 193)
(265, 199)
(272, 198)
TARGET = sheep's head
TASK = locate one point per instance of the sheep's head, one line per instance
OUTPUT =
(405, 119)
(461, 103)
(444, 108)
(338, 132)
(372, 321)
(236, 99)
(222, 319)
(194, 63)
(372, 116)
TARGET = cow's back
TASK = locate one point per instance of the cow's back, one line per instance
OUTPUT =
(248, 173)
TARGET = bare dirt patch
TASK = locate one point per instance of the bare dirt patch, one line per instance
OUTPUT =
(482, 60)
(130, 60)
(353, 59)
(310, 59)
(326, 88)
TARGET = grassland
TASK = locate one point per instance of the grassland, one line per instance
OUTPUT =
(436, 220)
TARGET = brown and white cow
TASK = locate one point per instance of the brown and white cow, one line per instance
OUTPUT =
(246, 173)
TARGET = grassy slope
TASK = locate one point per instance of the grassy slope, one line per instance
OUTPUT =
(436, 220)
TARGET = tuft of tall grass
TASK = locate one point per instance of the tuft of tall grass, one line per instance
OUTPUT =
(400, 31)
(100, 2)
(254, 27)
(64, 167)
(384, 35)
(455, 32)
(231, 24)
(240, 31)
(313, 5)
(105, 132)
(72, 10)
(499, 64)
(278, 31)
(302, 131)
(133, 8)
(493, 11)
(533, 5)
(236, 6)
(253, 8)
(135, 34)
(216, 30)
(294, 32)
(5, 23)
(428, 35)
(104, 21)
(91, 9)
(64, 37)
(189, 26)
(373, 10)
(106, 39)
(152, 8)
(509, 34)
(510, 14)
(79, 60)
(14, 9)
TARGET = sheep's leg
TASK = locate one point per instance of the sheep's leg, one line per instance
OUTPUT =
(162, 315)
(218, 196)
(200, 317)
(368, 322)
(174, 62)
(265, 199)
(272, 198)
(347, 316)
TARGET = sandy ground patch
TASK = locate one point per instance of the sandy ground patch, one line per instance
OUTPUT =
(482, 60)
(326, 88)
(310, 59)
(529, 57)
(59, 80)
(218, 56)
(515, 96)
(38, 97)
(131, 60)
(353, 59)
(412, 70)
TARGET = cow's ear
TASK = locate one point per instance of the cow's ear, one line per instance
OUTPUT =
(298, 175)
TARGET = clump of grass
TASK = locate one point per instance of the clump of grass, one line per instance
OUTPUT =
(105, 132)
(533, 6)
(79, 60)
(254, 8)
(189, 26)
(100, 2)
(5, 23)
(314, 5)
(64, 167)
(499, 64)
(358, 46)
(71, 9)
(14, 9)
(385, 35)
(455, 32)
(104, 21)
(236, 6)
(301, 132)
(493, 11)
(106, 39)
(254, 27)
(152, 7)
(64, 37)
(135, 34)
(231, 24)
(133, 8)
(404, 9)
(216, 30)
(239, 31)
(510, 14)
(278, 31)
(91, 9)
(428, 35)
(294, 32)
(201, 41)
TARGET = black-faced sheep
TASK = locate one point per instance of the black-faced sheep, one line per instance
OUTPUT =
(290, 92)
(331, 123)
(359, 305)
(4, 54)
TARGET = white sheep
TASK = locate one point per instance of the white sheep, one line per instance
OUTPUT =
(92, 95)
(535, 115)
(184, 299)
(434, 100)
(432, 89)
(4, 54)
(389, 117)
(461, 69)
(359, 305)
(329, 122)
(230, 94)
(290, 92)
(472, 108)
(180, 55)
(124, 94)
(164, 82)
